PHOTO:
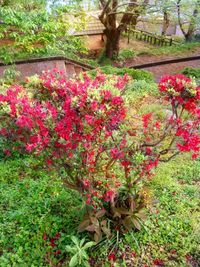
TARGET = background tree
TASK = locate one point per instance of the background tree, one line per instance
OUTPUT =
(188, 13)
(116, 15)
(31, 29)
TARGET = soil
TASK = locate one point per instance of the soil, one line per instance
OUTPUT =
(143, 59)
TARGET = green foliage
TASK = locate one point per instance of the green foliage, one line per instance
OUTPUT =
(103, 60)
(135, 74)
(79, 252)
(169, 50)
(191, 72)
(33, 202)
(10, 76)
(171, 232)
(140, 88)
(126, 54)
(36, 32)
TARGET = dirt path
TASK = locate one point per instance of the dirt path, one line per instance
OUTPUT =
(143, 59)
(171, 69)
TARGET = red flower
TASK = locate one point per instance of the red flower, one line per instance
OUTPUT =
(57, 252)
(134, 254)
(188, 257)
(49, 162)
(158, 262)
(86, 183)
(45, 237)
(112, 257)
(195, 156)
(146, 119)
(173, 251)
(52, 241)
(7, 152)
(109, 196)
(58, 235)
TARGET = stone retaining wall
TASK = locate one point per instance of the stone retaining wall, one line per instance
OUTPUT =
(29, 69)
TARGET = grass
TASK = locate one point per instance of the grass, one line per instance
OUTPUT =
(172, 50)
(141, 48)
(171, 232)
(33, 202)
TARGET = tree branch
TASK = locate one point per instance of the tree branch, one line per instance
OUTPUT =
(105, 8)
(179, 16)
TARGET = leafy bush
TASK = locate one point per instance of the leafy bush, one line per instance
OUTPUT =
(125, 54)
(191, 72)
(10, 76)
(135, 74)
(82, 128)
(141, 87)
(37, 32)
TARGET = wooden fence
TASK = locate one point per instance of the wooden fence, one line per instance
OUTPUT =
(151, 38)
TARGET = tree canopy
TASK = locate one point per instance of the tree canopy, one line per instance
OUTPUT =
(27, 27)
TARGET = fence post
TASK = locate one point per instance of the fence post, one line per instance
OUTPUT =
(129, 30)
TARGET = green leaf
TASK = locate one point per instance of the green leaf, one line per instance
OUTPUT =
(71, 249)
(74, 261)
(82, 242)
(84, 255)
(75, 240)
(88, 245)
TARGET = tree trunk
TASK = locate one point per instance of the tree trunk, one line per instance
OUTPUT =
(166, 23)
(112, 42)
(193, 21)
(189, 36)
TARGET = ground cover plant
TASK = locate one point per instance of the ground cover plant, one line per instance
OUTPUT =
(114, 189)
(172, 50)
(133, 73)
(192, 72)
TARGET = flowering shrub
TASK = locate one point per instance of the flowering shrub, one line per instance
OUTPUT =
(83, 128)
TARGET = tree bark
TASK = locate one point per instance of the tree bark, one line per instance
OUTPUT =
(113, 29)
(112, 42)
(166, 22)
